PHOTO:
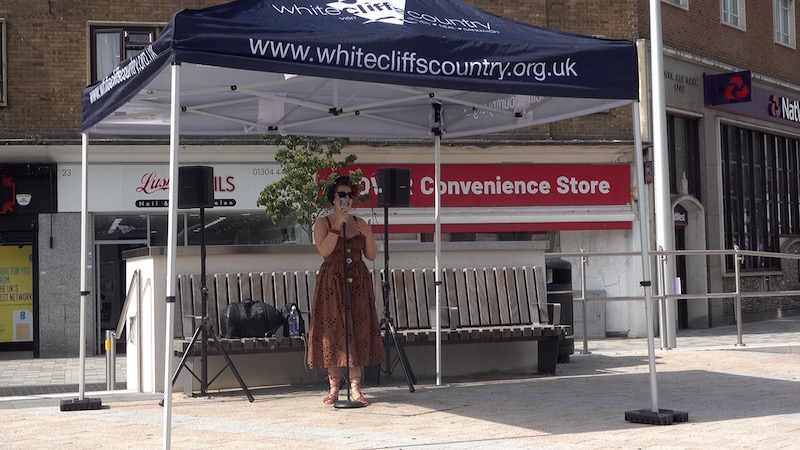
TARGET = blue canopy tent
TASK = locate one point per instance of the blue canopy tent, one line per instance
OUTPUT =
(405, 69)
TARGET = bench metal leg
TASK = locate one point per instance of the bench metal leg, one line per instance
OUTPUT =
(548, 356)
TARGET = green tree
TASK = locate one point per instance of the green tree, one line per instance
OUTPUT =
(300, 193)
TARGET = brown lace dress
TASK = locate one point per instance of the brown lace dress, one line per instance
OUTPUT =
(326, 346)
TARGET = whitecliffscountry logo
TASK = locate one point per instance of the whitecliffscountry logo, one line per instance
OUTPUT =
(391, 11)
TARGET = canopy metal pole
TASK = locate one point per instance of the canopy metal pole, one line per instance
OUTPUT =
(654, 415)
(84, 261)
(644, 231)
(437, 238)
(436, 129)
(82, 403)
(172, 221)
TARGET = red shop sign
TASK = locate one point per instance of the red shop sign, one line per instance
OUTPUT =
(468, 185)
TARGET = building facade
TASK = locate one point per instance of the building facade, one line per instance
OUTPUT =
(733, 167)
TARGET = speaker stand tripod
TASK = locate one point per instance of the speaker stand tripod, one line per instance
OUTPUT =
(204, 331)
(390, 337)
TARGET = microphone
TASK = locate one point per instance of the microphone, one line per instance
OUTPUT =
(345, 203)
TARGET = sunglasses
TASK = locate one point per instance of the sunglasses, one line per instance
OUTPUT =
(345, 194)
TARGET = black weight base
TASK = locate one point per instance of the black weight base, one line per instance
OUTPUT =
(346, 404)
(662, 417)
(81, 405)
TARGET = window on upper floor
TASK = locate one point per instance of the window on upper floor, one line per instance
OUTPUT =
(733, 13)
(784, 23)
(113, 44)
(682, 3)
(3, 82)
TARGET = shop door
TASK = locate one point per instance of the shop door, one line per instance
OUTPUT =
(112, 287)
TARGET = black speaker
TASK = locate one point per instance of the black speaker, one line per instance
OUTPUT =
(394, 185)
(195, 187)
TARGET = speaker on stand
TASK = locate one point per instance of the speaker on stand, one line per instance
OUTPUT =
(394, 187)
(394, 190)
(196, 190)
(195, 187)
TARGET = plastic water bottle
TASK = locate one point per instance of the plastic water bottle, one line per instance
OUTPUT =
(294, 321)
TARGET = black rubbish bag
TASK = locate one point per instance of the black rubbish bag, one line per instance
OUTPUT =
(249, 319)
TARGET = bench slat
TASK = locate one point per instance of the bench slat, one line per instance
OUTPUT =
(245, 291)
(254, 282)
(451, 298)
(281, 294)
(466, 286)
(267, 288)
(423, 285)
(522, 296)
(184, 326)
(498, 275)
(509, 277)
(401, 316)
(541, 293)
(306, 281)
(487, 295)
(530, 293)
(410, 292)
(232, 288)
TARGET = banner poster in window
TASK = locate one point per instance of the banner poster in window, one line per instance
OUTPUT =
(16, 293)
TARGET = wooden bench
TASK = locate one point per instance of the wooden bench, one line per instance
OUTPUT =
(492, 304)
(274, 288)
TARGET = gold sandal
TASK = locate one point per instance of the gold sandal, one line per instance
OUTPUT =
(333, 396)
(355, 388)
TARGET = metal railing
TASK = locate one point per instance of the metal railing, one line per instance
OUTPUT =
(662, 256)
(111, 337)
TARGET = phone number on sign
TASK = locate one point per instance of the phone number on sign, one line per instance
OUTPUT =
(267, 171)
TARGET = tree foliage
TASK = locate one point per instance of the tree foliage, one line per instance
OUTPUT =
(300, 193)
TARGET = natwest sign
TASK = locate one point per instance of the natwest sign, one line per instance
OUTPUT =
(784, 108)
(464, 185)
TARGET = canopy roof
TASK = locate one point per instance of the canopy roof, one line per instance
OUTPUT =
(369, 69)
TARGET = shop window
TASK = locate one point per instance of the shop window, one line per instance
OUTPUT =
(3, 90)
(733, 13)
(683, 144)
(111, 45)
(784, 23)
(761, 193)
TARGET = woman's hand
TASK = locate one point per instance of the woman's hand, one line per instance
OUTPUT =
(370, 247)
(364, 228)
(341, 213)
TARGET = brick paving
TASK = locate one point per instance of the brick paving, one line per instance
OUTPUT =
(736, 397)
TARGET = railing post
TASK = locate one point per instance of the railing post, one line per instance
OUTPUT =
(584, 306)
(662, 279)
(737, 303)
(111, 360)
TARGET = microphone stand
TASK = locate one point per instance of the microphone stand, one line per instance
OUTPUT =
(346, 403)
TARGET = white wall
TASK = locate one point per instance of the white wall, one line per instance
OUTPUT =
(615, 275)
